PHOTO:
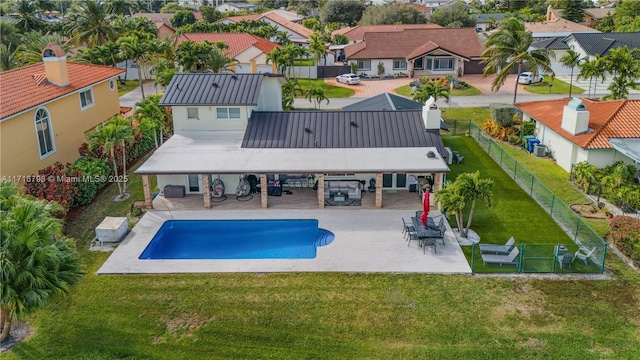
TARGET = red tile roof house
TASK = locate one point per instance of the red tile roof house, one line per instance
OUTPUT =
(250, 50)
(418, 52)
(298, 34)
(576, 130)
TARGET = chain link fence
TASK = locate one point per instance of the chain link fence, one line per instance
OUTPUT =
(541, 258)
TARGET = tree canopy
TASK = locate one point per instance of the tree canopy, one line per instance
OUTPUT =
(392, 13)
(455, 16)
(344, 12)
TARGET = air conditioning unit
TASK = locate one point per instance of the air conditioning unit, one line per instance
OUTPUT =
(112, 229)
(540, 150)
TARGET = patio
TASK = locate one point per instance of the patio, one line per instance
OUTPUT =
(366, 241)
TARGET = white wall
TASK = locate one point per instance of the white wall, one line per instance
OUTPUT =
(304, 72)
(207, 119)
(270, 98)
(388, 67)
(164, 180)
(562, 150)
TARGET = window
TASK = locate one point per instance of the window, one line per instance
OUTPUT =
(364, 64)
(228, 113)
(112, 85)
(429, 64)
(418, 63)
(44, 133)
(399, 64)
(443, 64)
(86, 99)
(192, 113)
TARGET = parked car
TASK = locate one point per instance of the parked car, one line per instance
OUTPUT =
(350, 79)
(529, 78)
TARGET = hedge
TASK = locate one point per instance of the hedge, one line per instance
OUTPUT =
(625, 232)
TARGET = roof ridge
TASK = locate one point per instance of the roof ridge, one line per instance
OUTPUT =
(606, 123)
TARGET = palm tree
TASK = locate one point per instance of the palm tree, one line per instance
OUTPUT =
(624, 64)
(451, 202)
(8, 59)
(282, 38)
(139, 51)
(472, 188)
(276, 56)
(30, 51)
(571, 59)
(432, 89)
(592, 69)
(28, 17)
(217, 61)
(10, 37)
(148, 110)
(120, 7)
(317, 95)
(289, 91)
(116, 132)
(36, 261)
(317, 48)
(89, 21)
(508, 49)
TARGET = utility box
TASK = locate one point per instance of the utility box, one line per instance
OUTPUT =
(540, 150)
(112, 229)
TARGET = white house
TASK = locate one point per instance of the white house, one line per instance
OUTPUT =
(576, 130)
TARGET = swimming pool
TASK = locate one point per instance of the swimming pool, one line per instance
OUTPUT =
(237, 239)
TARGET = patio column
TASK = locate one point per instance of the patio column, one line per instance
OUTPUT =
(264, 191)
(146, 188)
(379, 191)
(206, 193)
(437, 181)
(320, 192)
(254, 67)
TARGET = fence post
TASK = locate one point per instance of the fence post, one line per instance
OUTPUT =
(553, 198)
(521, 257)
(577, 227)
(531, 191)
(515, 171)
(501, 153)
(473, 257)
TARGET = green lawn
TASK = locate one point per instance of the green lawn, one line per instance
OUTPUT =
(559, 87)
(405, 90)
(330, 90)
(128, 86)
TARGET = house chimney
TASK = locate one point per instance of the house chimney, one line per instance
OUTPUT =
(55, 65)
(575, 117)
(431, 114)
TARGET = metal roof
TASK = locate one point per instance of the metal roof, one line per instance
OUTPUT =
(630, 147)
(336, 129)
(384, 101)
(213, 89)
(219, 152)
(554, 43)
(601, 43)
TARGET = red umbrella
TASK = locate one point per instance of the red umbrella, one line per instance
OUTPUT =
(425, 208)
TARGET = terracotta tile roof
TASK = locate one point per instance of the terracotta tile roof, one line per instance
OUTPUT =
(295, 27)
(607, 119)
(411, 43)
(599, 13)
(420, 8)
(559, 25)
(238, 42)
(155, 17)
(357, 33)
(24, 88)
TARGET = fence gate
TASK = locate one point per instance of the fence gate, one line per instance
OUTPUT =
(332, 71)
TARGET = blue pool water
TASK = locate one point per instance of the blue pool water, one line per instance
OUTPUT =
(237, 239)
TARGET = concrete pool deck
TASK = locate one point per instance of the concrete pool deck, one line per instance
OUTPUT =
(367, 241)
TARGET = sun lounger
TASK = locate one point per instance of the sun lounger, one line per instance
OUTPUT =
(511, 259)
(498, 249)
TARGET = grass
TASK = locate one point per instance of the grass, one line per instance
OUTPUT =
(558, 87)
(330, 90)
(405, 90)
(128, 86)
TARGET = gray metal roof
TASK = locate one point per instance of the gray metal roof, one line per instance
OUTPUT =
(213, 89)
(485, 18)
(554, 43)
(384, 101)
(337, 129)
(630, 147)
(601, 43)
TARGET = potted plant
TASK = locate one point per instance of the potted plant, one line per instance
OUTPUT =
(381, 69)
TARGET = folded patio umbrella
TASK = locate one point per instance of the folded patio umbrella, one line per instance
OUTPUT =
(425, 208)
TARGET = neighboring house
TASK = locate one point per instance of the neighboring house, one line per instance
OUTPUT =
(232, 125)
(250, 50)
(156, 17)
(164, 30)
(298, 34)
(356, 34)
(425, 11)
(426, 52)
(46, 109)
(486, 22)
(434, 3)
(555, 26)
(236, 7)
(576, 130)
(587, 45)
(593, 16)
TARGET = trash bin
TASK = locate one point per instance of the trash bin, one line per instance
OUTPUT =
(532, 143)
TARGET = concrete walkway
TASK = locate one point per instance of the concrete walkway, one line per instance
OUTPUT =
(366, 241)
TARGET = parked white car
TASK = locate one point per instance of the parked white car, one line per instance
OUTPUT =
(350, 79)
(529, 78)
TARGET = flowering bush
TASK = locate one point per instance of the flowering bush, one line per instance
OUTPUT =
(55, 183)
(625, 232)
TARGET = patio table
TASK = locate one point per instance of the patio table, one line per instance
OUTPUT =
(431, 231)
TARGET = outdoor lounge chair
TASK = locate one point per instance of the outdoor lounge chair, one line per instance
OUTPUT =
(584, 254)
(498, 249)
(511, 259)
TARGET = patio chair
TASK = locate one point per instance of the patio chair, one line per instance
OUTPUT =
(584, 254)
(407, 228)
(565, 259)
(511, 259)
(443, 229)
(498, 249)
(429, 242)
(413, 235)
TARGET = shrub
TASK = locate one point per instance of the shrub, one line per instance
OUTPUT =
(625, 232)
(515, 139)
(527, 128)
(498, 132)
(94, 173)
(502, 114)
(54, 183)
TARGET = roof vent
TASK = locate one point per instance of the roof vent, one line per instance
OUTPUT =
(431, 154)
(215, 85)
(178, 86)
(354, 124)
(234, 76)
(308, 131)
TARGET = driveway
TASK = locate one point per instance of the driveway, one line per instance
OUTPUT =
(370, 88)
